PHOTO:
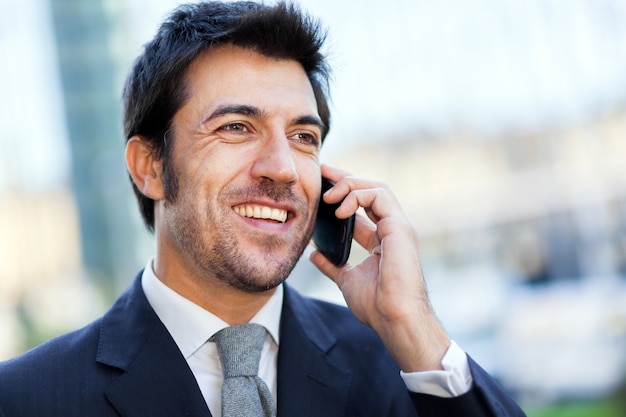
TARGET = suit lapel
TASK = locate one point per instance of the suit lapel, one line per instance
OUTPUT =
(156, 379)
(308, 383)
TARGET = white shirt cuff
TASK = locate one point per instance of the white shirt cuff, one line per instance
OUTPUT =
(454, 380)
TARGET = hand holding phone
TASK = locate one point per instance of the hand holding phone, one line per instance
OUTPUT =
(332, 236)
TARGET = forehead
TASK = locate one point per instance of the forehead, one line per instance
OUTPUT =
(228, 73)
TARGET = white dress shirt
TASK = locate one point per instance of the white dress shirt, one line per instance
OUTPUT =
(191, 326)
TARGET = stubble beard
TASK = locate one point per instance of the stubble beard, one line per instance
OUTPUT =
(223, 258)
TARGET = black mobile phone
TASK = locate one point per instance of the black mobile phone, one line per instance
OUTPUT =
(332, 236)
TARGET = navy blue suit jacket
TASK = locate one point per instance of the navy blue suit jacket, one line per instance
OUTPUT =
(127, 364)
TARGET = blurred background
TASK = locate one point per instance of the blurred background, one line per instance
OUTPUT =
(501, 126)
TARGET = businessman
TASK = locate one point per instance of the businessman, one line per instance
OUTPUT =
(224, 115)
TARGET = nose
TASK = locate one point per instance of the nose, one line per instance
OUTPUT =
(275, 160)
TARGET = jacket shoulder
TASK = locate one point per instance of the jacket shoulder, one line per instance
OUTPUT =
(321, 318)
(31, 383)
(67, 367)
(340, 337)
(55, 354)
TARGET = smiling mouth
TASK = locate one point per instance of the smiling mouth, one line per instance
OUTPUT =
(261, 212)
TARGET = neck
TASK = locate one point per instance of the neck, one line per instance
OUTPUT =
(234, 307)
(230, 304)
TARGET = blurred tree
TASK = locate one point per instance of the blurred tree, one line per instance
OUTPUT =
(92, 109)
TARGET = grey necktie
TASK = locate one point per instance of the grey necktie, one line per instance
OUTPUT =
(243, 392)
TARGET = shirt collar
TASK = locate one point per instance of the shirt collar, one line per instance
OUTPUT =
(191, 325)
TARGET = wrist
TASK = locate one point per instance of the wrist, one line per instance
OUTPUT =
(417, 347)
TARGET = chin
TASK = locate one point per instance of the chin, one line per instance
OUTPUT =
(251, 285)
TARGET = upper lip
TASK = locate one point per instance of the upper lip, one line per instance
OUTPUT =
(259, 210)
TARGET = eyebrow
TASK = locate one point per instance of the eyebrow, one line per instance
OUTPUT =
(255, 112)
(311, 120)
(242, 109)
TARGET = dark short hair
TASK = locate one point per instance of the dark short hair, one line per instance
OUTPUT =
(155, 88)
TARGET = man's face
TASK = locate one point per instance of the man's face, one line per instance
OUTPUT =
(245, 160)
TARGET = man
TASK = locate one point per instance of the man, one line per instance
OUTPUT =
(225, 112)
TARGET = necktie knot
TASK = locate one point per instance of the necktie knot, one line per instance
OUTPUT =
(243, 392)
(240, 347)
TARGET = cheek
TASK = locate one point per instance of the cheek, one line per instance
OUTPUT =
(311, 182)
(210, 171)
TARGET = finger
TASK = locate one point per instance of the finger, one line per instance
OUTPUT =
(333, 174)
(325, 266)
(345, 182)
(365, 234)
(349, 183)
(377, 202)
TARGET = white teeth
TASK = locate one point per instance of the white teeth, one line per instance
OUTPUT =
(261, 212)
(280, 215)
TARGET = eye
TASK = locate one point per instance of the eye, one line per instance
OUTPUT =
(235, 127)
(307, 138)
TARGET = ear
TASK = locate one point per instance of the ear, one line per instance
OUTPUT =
(144, 168)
